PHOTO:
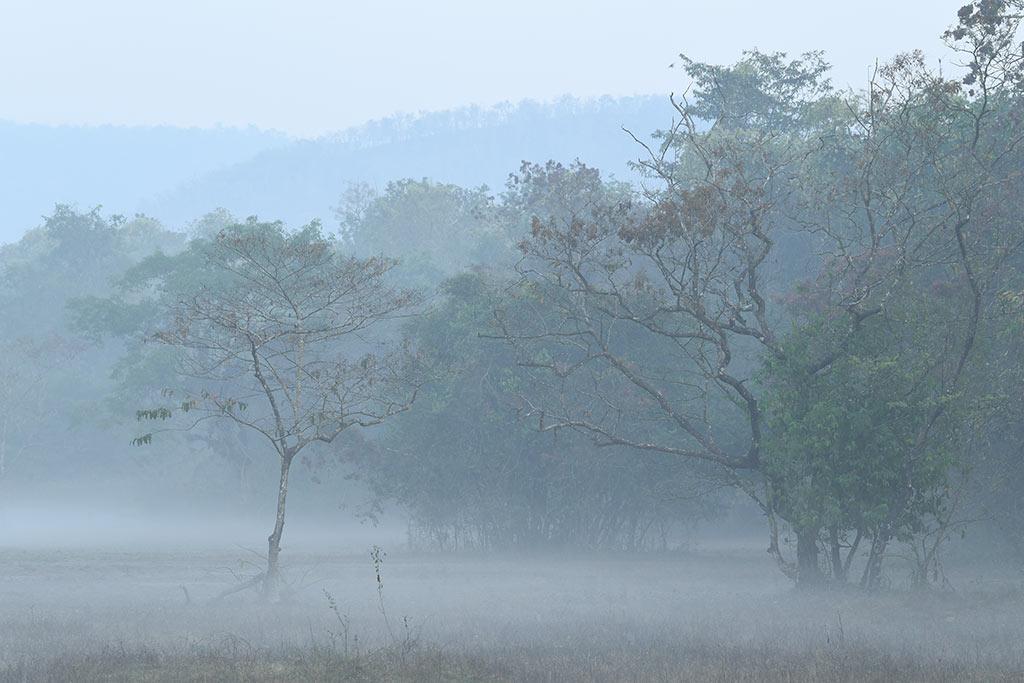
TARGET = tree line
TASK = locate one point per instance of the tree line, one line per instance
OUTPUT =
(813, 300)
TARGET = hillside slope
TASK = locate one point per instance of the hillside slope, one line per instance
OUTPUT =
(177, 175)
(470, 147)
(117, 167)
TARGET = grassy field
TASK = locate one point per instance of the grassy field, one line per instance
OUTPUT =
(719, 613)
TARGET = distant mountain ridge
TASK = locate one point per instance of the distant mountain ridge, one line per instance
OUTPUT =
(406, 126)
(116, 166)
(177, 175)
(471, 147)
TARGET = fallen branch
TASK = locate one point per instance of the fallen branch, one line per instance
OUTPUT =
(254, 581)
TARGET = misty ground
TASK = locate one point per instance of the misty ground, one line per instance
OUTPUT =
(82, 607)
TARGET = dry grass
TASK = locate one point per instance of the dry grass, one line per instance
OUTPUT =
(587, 662)
(719, 616)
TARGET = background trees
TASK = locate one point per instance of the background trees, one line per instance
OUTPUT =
(468, 463)
(475, 473)
(436, 229)
(57, 393)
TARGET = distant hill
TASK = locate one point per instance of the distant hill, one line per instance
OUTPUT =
(117, 167)
(472, 147)
(177, 175)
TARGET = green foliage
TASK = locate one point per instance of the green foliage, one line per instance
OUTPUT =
(842, 441)
(143, 440)
(160, 413)
(61, 412)
(761, 91)
(436, 229)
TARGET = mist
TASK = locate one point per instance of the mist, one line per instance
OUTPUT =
(567, 369)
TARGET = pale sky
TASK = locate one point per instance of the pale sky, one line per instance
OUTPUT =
(311, 66)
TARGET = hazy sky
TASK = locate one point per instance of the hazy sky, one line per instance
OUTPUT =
(310, 66)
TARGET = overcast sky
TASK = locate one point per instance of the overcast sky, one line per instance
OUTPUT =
(311, 66)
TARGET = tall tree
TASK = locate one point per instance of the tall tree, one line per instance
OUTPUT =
(907, 192)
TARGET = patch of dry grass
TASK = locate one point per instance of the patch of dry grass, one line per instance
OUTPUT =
(716, 616)
(692, 661)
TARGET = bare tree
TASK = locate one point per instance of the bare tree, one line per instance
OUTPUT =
(278, 336)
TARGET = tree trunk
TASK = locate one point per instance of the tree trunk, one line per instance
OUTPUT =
(808, 570)
(838, 569)
(872, 576)
(271, 584)
(852, 553)
(3, 450)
